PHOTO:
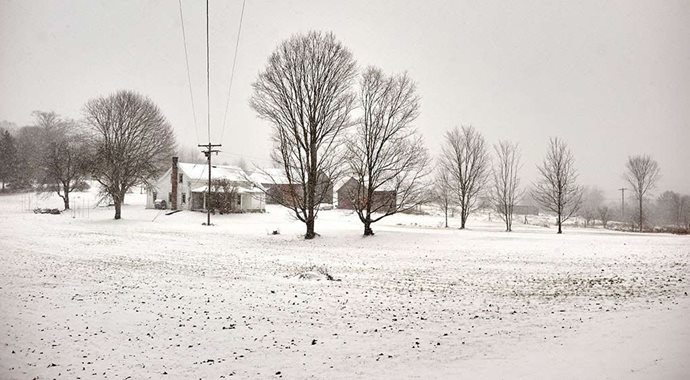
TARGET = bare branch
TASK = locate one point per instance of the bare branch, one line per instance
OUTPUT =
(504, 190)
(557, 189)
(305, 93)
(642, 174)
(466, 159)
(385, 155)
(132, 142)
(64, 155)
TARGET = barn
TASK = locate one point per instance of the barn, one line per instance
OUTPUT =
(279, 190)
(384, 198)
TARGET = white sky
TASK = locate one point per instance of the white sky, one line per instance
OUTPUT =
(611, 78)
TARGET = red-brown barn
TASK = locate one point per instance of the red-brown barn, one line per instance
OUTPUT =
(383, 199)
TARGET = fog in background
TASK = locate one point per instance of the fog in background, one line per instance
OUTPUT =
(611, 78)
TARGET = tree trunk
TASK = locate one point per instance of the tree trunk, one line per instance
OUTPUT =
(118, 208)
(560, 231)
(310, 229)
(66, 189)
(446, 216)
(640, 214)
(119, 199)
(367, 229)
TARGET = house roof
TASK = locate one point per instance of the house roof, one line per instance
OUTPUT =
(239, 189)
(269, 176)
(199, 172)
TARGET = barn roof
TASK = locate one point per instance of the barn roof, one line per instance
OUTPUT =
(388, 186)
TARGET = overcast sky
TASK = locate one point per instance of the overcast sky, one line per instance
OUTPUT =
(612, 78)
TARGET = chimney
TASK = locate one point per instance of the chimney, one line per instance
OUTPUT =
(174, 181)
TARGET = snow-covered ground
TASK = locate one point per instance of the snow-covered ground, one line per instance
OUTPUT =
(156, 296)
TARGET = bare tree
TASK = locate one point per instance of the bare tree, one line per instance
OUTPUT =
(670, 208)
(65, 156)
(466, 159)
(642, 174)
(224, 196)
(504, 190)
(385, 152)
(305, 93)
(132, 142)
(557, 189)
(604, 214)
(592, 197)
(443, 193)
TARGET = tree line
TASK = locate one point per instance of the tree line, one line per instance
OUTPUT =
(123, 140)
(330, 120)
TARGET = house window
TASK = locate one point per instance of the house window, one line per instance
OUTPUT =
(155, 195)
(239, 200)
(181, 178)
(184, 197)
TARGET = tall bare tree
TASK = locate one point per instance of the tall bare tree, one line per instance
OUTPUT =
(642, 174)
(305, 93)
(557, 189)
(466, 159)
(132, 142)
(505, 192)
(443, 195)
(385, 152)
(64, 154)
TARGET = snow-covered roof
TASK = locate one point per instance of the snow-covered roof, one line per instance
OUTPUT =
(340, 182)
(269, 176)
(239, 189)
(199, 172)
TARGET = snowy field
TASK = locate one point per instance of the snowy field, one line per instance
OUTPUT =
(156, 296)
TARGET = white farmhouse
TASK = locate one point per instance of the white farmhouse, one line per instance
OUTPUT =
(184, 187)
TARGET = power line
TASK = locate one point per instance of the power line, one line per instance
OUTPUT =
(208, 82)
(189, 78)
(232, 72)
(209, 151)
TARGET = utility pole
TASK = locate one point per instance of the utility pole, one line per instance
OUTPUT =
(622, 189)
(209, 149)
